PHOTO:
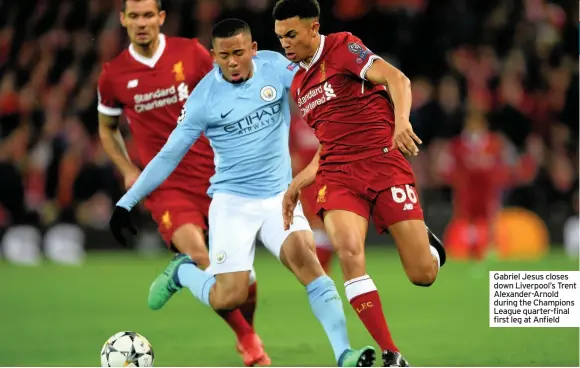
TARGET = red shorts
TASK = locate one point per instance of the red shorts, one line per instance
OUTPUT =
(380, 186)
(173, 208)
(309, 206)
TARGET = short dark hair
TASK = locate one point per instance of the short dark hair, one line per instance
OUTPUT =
(229, 27)
(159, 5)
(285, 9)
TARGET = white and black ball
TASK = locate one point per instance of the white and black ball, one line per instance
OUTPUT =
(127, 349)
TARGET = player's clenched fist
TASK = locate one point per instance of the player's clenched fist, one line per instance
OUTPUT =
(288, 205)
(405, 138)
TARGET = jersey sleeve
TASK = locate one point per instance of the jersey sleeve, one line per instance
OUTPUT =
(107, 102)
(190, 125)
(285, 68)
(354, 56)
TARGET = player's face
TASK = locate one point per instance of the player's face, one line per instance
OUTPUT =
(143, 20)
(234, 56)
(298, 37)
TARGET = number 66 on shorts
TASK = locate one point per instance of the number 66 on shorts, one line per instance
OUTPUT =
(386, 207)
(401, 195)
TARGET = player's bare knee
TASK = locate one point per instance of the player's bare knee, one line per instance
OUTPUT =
(422, 274)
(349, 249)
(351, 257)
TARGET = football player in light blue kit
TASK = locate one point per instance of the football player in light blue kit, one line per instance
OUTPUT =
(242, 107)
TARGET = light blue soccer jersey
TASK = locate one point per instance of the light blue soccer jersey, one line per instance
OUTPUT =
(247, 125)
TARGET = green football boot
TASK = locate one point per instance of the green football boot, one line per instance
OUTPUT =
(364, 357)
(167, 283)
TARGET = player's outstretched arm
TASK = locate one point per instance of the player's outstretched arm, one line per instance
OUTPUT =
(399, 87)
(163, 164)
(190, 125)
(114, 146)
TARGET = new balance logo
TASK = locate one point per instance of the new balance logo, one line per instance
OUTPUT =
(408, 207)
(133, 83)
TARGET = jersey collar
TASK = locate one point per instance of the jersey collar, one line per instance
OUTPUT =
(150, 62)
(316, 54)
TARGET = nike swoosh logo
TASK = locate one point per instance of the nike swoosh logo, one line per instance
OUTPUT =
(226, 114)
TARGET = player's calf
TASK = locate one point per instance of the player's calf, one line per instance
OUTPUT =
(230, 290)
(298, 254)
(421, 260)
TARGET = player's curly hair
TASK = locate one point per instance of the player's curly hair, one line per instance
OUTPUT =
(229, 27)
(159, 5)
(285, 9)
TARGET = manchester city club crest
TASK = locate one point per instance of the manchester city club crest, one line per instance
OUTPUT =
(268, 93)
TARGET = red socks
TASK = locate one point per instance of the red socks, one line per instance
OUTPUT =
(237, 322)
(248, 309)
(364, 298)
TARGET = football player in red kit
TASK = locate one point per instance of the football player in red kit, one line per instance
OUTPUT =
(149, 82)
(479, 165)
(303, 147)
(359, 106)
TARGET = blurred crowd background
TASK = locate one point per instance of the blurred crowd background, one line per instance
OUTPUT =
(479, 68)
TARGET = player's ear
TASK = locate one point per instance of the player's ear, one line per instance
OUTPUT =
(122, 18)
(161, 17)
(213, 54)
(315, 27)
(254, 48)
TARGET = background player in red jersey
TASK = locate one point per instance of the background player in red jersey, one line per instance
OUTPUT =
(479, 165)
(149, 83)
(359, 107)
(303, 147)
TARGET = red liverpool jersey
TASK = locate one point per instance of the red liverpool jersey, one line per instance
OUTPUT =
(150, 92)
(478, 171)
(352, 118)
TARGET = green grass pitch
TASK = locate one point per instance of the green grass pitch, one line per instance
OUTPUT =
(60, 316)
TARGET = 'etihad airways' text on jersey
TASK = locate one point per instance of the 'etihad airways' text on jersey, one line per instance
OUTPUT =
(248, 127)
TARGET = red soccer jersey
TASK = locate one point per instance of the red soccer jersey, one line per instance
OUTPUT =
(150, 92)
(478, 171)
(352, 118)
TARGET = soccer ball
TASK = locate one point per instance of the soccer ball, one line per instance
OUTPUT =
(127, 349)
